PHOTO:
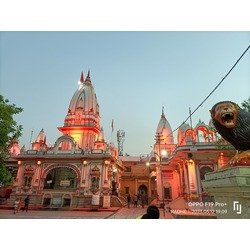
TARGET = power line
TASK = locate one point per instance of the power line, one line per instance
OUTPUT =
(213, 89)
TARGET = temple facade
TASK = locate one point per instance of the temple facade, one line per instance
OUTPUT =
(176, 169)
(79, 165)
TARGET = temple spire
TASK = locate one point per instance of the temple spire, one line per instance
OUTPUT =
(162, 112)
(88, 77)
(82, 78)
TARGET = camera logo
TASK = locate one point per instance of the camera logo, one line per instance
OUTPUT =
(237, 207)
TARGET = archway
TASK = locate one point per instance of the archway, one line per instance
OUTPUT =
(61, 178)
(66, 200)
(143, 194)
(46, 200)
(204, 170)
(142, 189)
(167, 191)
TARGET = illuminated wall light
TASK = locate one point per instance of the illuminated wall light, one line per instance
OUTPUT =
(164, 152)
(39, 162)
(85, 162)
(19, 162)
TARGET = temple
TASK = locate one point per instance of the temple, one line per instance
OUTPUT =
(81, 163)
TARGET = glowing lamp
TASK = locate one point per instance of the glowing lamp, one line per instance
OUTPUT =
(164, 152)
(84, 162)
(147, 164)
(19, 162)
(39, 162)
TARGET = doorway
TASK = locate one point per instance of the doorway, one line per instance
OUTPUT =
(142, 189)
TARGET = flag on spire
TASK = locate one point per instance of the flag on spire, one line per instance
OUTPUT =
(82, 78)
(190, 117)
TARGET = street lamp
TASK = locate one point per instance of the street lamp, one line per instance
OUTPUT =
(161, 153)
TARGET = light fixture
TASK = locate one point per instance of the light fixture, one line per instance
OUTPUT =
(164, 152)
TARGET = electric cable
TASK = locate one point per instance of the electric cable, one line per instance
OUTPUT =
(212, 90)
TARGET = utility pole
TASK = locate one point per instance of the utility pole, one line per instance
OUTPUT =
(158, 139)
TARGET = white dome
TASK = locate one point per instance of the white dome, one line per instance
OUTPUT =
(83, 107)
(200, 124)
(184, 127)
(82, 121)
(165, 130)
(84, 99)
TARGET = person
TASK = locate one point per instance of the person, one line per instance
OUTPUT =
(20, 204)
(129, 200)
(143, 200)
(16, 205)
(26, 203)
(135, 200)
(152, 213)
(146, 199)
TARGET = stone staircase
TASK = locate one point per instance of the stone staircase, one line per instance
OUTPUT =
(116, 201)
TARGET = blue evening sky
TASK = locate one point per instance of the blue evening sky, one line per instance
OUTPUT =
(134, 75)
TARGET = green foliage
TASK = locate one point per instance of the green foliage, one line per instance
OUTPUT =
(246, 105)
(5, 176)
(9, 131)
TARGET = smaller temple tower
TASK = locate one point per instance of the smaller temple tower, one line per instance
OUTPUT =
(164, 136)
(40, 142)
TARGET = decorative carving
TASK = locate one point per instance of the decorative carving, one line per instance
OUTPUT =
(233, 124)
(95, 179)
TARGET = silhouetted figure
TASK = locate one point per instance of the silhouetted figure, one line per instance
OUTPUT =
(16, 205)
(26, 203)
(152, 213)
(143, 200)
(135, 200)
(128, 200)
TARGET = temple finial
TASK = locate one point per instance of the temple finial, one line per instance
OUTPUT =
(162, 112)
(88, 77)
(82, 78)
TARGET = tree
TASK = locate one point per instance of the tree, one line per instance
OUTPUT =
(9, 131)
(246, 105)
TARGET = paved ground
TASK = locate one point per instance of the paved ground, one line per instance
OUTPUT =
(133, 213)
(112, 213)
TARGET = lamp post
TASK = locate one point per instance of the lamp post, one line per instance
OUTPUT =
(158, 139)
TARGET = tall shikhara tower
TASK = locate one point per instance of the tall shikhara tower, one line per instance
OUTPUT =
(82, 121)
